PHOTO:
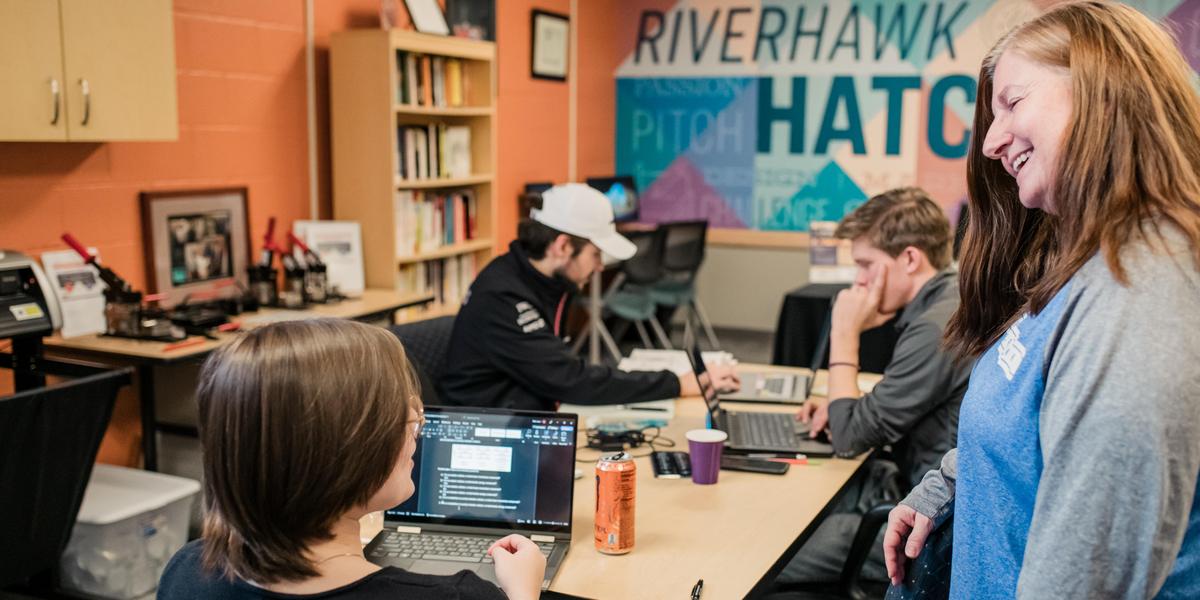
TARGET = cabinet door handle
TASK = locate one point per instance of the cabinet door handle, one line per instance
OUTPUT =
(87, 101)
(54, 93)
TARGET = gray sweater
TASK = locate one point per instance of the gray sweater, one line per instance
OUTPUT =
(1101, 505)
(915, 406)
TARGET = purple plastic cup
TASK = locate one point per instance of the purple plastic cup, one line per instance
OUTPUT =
(705, 446)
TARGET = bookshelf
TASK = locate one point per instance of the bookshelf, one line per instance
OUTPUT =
(395, 143)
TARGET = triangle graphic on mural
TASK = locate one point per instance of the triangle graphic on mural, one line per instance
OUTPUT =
(681, 193)
(827, 197)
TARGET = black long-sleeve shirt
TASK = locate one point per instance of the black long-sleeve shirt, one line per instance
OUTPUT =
(915, 406)
(184, 579)
(507, 350)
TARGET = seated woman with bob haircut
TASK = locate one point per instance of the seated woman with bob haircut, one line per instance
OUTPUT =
(306, 426)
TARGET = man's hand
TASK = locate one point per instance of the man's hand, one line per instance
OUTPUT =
(857, 309)
(723, 377)
(815, 412)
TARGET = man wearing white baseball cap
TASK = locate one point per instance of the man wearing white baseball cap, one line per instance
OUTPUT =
(507, 349)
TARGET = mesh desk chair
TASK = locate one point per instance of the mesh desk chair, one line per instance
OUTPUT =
(682, 258)
(426, 343)
(628, 297)
(48, 442)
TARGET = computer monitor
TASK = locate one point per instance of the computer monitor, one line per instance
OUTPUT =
(537, 187)
(494, 468)
(622, 192)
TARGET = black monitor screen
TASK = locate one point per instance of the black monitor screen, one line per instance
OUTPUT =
(621, 192)
(495, 468)
(538, 187)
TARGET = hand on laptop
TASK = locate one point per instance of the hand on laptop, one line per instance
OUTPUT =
(520, 567)
(815, 412)
(723, 377)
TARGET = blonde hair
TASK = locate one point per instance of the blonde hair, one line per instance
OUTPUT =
(300, 422)
(1134, 151)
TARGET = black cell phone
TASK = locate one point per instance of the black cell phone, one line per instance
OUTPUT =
(753, 465)
(670, 465)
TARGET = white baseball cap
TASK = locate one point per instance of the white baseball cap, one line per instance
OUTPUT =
(584, 212)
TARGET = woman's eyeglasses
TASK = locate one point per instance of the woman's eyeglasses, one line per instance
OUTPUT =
(418, 424)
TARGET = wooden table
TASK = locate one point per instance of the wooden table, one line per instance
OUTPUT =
(736, 535)
(144, 356)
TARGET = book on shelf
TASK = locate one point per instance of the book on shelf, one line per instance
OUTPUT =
(433, 151)
(427, 221)
(425, 80)
(456, 144)
(447, 279)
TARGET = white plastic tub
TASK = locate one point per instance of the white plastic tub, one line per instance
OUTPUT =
(130, 524)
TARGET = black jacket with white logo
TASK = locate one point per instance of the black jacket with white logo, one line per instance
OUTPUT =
(507, 349)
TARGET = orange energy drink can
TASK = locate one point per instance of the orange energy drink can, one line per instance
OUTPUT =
(616, 492)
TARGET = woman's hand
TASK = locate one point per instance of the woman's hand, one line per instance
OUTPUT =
(908, 528)
(520, 567)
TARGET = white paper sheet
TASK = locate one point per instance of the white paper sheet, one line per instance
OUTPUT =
(339, 244)
(79, 290)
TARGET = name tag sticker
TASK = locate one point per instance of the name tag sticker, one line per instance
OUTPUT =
(25, 312)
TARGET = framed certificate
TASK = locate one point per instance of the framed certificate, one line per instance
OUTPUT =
(551, 34)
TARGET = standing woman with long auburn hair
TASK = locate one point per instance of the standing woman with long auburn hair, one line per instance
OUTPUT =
(1079, 437)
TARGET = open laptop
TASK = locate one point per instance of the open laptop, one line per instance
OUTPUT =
(481, 474)
(782, 388)
(771, 388)
(756, 432)
(621, 192)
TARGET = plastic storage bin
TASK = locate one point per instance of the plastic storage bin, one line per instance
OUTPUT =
(130, 524)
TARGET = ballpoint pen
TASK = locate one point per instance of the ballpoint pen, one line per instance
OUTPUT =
(696, 589)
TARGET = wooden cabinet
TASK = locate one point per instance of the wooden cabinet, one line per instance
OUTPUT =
(31, 72)
(87, 70)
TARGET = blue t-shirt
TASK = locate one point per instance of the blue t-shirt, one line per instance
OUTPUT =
(999, 459)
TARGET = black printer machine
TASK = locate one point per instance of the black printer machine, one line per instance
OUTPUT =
(27, 302)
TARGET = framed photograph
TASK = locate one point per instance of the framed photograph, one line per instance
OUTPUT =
(195, 241)
(472, 19)
(551, 35)
(427, 16)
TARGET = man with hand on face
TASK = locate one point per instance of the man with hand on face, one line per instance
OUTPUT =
(901, 244)
(507, 349)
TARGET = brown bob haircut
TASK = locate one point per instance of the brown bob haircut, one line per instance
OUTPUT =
(899, 218)
(300, 422)
(1131, 165)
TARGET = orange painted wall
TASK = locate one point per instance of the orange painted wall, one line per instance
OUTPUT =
(242, 113)
(241, 123)
(532, 114)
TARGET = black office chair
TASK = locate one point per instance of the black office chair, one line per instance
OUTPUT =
(850, 586)
(49, 437)
(630, 298)
(682, 258)
(426, 343)
(960, 229)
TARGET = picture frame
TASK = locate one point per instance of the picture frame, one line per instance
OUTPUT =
(472, 19)
(195, 242)
(427, 16)
(549, 46)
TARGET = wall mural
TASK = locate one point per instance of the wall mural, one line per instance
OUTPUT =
(768, 115)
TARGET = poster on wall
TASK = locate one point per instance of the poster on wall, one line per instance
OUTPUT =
(770, 114)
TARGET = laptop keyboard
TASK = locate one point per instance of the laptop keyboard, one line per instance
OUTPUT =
(762, 430)
(431, 546)
(773, 385)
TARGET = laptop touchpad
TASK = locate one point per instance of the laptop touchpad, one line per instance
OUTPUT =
(437, 567)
